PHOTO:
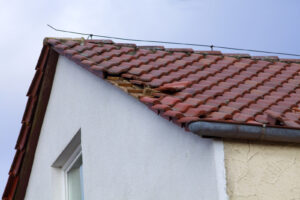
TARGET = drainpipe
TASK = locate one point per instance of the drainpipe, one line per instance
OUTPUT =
(245, 132)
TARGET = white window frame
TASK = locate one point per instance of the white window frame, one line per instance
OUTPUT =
(65, 161)
(68, 165)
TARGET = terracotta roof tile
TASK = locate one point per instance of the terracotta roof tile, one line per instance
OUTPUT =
(236, 86)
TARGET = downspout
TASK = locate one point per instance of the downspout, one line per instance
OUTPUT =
(246, 132)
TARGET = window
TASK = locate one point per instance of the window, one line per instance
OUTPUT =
(69, 163)
(74, 177)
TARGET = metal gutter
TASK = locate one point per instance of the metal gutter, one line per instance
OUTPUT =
(245, 132)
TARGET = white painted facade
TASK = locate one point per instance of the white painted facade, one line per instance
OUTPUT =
(128, 151)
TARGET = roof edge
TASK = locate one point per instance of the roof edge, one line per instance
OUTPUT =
(45, 41)
(269, 58)
(40, 89)
(245, 132)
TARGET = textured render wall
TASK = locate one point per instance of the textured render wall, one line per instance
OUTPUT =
(257, 171)
(129, 152)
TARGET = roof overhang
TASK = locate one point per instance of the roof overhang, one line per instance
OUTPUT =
(38, 97)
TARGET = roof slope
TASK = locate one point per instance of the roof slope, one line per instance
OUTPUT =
(198, 85)
(182, 85)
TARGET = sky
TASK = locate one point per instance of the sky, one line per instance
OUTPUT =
(271, 25)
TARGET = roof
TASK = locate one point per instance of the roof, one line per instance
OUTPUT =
(181, 85)
(193, 85)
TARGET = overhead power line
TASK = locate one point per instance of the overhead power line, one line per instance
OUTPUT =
(168, 42)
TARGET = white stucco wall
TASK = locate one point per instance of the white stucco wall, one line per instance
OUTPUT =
(129, 152)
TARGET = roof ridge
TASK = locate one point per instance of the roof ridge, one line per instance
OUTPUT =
(63, 39)
(269, 58)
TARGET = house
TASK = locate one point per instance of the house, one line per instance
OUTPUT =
(220, 126)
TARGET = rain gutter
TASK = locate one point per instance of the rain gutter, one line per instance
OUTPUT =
(245, 132)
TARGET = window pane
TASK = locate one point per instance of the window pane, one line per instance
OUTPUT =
(81, 182)
(74, 178)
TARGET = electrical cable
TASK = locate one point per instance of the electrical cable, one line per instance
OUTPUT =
(177, 43)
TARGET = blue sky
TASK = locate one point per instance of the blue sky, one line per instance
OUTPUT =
(270, 25)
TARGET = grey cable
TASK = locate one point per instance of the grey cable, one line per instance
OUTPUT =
(178, 43)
